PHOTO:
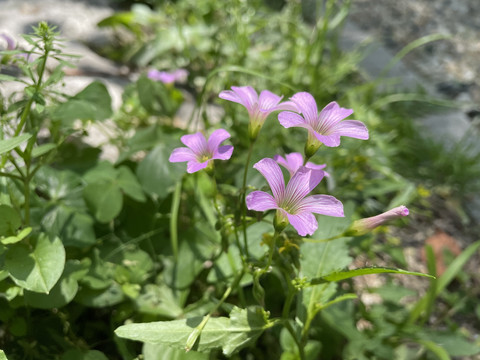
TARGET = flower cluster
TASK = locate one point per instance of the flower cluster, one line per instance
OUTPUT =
(179, 75)
(291, 201)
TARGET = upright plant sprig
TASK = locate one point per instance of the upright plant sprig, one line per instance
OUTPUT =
(44, 46)
(258, 107)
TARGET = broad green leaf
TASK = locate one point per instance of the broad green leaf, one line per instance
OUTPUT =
(164, 352)
(322, 258)
(103, 171)
(129, 184)
(2, 355)
(37, 269)
(9, 221)
(156, 174)
(342, 275)
(242, 327)
(72, 225)
(77, 354)
(58, 184)
(10, 144)
(104, 199)
(92, 103)
(64, 290)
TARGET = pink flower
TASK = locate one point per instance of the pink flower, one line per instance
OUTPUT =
(9, 41)
(326, 127)
(363, 226)
(292, 203)
(258, 107)
(179, 75)
(200, 152)
(293, 161)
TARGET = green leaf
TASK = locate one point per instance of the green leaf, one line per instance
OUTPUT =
(342, 275)
(64, 290)
(92, 103)
(156, 174)
(74, 226)
(100, 298)
(104, 199)
(129, 184)
(434, 348)
(76, 354)
(37, 269)
(10, 144)
(43, 149)
(17, 238)
(9, 221)
(454, 343)
(2, 355)
(154, 96)
(158, 300)
(164, 352)
(231, 334)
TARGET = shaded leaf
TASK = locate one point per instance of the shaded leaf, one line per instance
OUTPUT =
(104, 199)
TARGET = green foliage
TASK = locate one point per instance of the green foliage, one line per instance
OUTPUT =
(93, 253)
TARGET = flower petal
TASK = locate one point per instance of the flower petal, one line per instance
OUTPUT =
(352, 128)
(268, 100)
(305, 223)
(286, 105)
(223, 152)
(231, 96)
(217, 137)
(260, 201)
(273, 174)
(332, 140)
(196, 142)
(331, 115)
(307, 105)
(182, 154)
(291, 162)
(194, 166)
(301, 184)
(289, 119)
(248, 95)
(322, 204)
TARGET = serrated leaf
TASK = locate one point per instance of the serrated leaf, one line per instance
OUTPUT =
(10, 144)
(342, 275)
(231, 334)
(37, 269)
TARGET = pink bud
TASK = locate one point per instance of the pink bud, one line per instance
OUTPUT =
(363, 226)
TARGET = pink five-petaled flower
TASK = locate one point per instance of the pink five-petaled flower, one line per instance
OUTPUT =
(326, 127)
(179, 75)
(258, 107)
(293, 161)
(365, 225)
(292, 203)
(200, 152)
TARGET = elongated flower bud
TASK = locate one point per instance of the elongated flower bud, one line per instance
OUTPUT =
(363, 226)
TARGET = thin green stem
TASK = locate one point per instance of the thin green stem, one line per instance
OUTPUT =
(290, 329)
(12, 176)
(243, 196)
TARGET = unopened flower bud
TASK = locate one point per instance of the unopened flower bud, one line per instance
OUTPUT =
(363, 226)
